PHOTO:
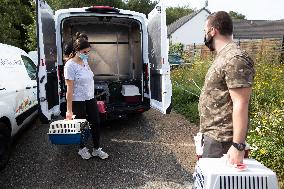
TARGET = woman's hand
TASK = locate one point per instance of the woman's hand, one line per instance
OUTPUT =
(69, 115)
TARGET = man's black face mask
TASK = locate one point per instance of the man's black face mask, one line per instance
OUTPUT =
(209, 41)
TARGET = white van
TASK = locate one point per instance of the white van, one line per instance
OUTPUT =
(18, 95)
(129, 57)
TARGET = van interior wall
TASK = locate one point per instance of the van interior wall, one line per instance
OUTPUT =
(115, 47)
(115, 57)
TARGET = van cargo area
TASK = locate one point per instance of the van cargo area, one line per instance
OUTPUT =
(115, 58)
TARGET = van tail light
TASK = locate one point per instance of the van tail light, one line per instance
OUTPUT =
(146, 79)
(140, 110)
(146, 72)
(102, 9)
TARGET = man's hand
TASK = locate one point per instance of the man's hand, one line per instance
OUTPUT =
(235, 156)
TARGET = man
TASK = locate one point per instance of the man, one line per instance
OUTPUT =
(224, 100)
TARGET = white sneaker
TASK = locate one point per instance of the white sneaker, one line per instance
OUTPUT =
(100, 153)
(84, 153)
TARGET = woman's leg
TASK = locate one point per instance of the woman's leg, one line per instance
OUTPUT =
(94, 120)
(79, 110)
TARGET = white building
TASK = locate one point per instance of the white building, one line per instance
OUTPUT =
(189, 29)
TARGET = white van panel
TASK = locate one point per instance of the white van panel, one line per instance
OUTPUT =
(48, 93)
(160, 82)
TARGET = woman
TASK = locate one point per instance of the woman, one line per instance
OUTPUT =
(80, 95)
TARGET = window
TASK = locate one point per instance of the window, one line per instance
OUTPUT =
(30, 67)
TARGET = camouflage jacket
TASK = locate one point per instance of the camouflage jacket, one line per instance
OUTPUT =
(232, 68)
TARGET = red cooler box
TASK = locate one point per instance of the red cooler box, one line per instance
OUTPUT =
(131, 94)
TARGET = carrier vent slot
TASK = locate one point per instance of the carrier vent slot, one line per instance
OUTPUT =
(243, 182)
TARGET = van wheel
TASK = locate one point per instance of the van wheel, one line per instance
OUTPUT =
(42, 118)
(5, 145)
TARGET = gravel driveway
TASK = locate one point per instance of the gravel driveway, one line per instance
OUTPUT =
(146, 151)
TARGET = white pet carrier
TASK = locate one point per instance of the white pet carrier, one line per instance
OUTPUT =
(214, 173)
(68, 131)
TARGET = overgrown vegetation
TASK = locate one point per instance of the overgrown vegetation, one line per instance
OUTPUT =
(187, 82)
(266, 133)
(16, 17)
(176, 48)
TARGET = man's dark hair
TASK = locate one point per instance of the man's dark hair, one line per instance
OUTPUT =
(222, 22)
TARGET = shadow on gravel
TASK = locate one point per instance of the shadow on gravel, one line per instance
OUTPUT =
(136, 160)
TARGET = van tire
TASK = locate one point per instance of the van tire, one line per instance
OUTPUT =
(42, 118)
(5, 145)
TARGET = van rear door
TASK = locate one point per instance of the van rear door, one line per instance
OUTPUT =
(160, 81)
(47, 77)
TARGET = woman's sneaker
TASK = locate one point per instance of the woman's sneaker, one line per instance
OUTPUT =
(99, 153)
(84, 153)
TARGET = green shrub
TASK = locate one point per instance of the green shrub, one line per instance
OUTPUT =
(266, 134)
(187, 83)
(176, 48)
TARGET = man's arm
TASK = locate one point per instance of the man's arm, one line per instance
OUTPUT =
(240, 98)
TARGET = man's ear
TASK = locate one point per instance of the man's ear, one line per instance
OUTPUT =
(214, 31)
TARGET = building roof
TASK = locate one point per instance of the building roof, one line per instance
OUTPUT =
(258, 29)
(243, 29)
(180, 22)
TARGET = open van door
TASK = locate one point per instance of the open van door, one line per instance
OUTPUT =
(160, 81)
(47, 77)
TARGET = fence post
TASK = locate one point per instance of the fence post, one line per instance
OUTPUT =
(282, 51)
(262, 47)
(193, 52)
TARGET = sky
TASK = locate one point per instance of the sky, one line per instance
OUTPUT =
(252, 9)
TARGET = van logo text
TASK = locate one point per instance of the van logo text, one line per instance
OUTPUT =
(7, 62)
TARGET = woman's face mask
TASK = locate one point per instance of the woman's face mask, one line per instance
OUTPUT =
(208, 41)
(83, 56)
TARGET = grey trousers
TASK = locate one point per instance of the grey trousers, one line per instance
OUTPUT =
(214, 149)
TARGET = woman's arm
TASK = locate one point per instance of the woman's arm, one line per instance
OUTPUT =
(69, 98)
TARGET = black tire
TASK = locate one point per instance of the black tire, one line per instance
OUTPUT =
(42, 118)
(5, 145)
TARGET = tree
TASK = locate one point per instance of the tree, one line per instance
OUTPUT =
(15, 17)
(31, 41)
(236, 15)
(56, 4)
(143, 6)
(174, 13)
